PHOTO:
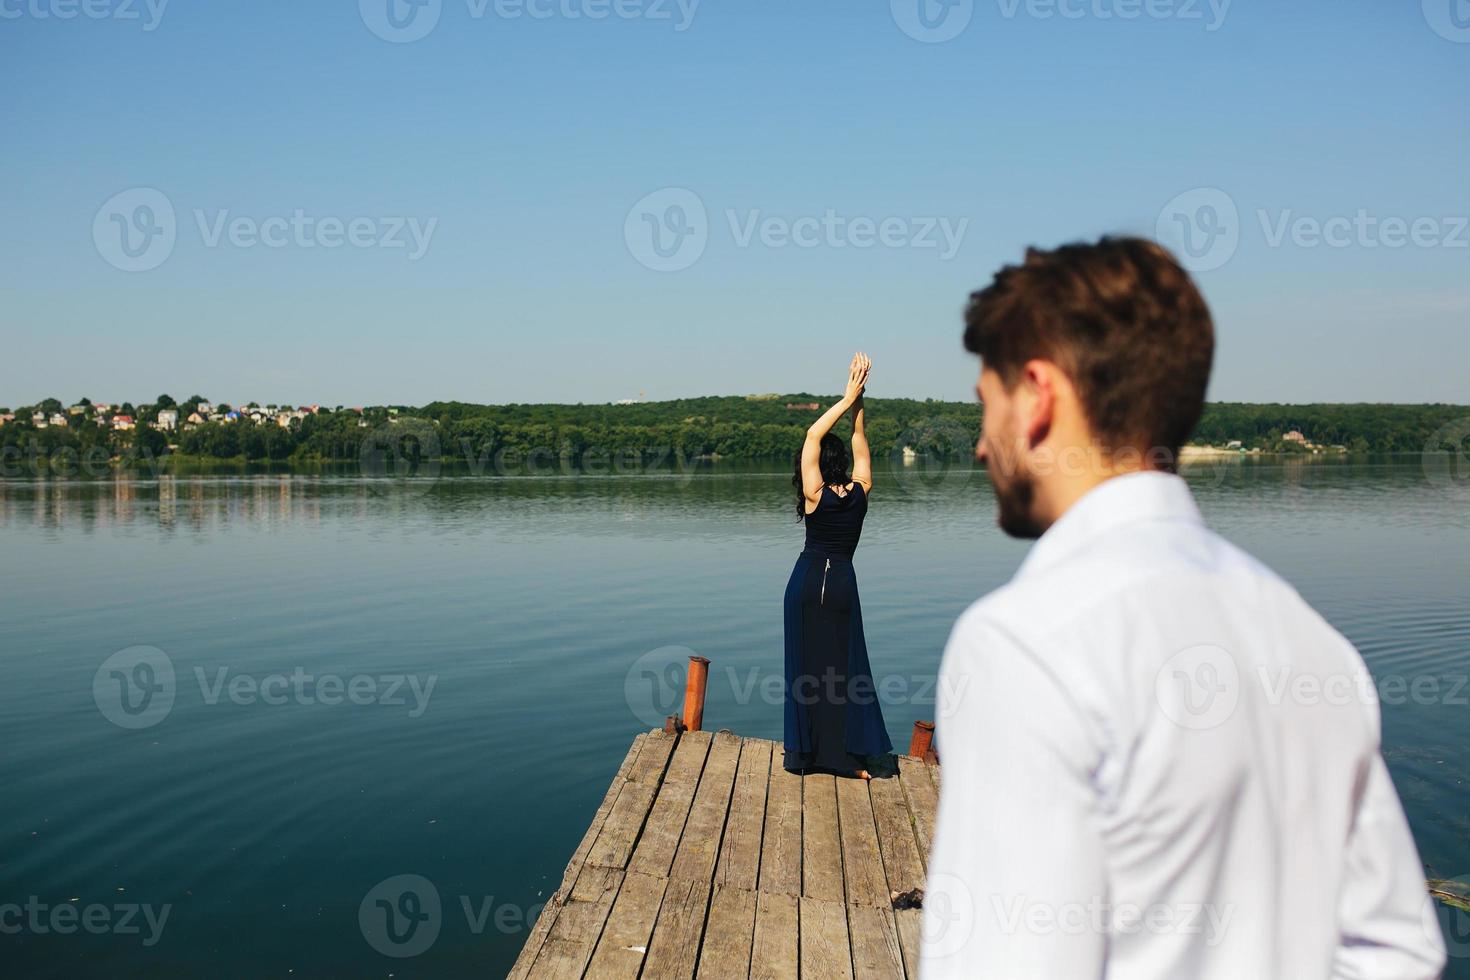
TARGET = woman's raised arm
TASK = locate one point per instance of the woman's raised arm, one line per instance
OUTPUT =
(862, 457)
(811, 449)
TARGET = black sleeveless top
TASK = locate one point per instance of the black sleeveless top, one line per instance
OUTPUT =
(833, 529)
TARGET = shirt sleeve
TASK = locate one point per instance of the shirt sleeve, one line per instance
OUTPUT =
(1016, 874)
(1387, 926)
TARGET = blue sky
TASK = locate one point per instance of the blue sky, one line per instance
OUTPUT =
(468, 205)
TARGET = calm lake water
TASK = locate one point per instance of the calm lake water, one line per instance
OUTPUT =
(546, 613)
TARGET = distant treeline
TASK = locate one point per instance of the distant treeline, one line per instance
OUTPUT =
(741, 427)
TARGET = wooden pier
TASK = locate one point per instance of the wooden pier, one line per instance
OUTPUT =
(707, 859)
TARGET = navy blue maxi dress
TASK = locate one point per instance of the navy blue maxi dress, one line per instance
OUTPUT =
(833, 719)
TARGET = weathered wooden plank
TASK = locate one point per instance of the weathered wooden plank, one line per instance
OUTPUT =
(675, 945)
(824, 946)
(909, 922)
(774, 952)
(781, 847)
(699, 847)
(605, 807)
(550, 910)
(655, 852)
(624, 943)
(573, 935)
(821, 853)
(862, 864)
(619, 833)
(902, 866)
(537, 937)
(728, 935)
(875, 950)
(918, 787)
(697, 821)
(740, 851)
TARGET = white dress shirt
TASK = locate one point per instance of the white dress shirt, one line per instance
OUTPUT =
(1160, 762)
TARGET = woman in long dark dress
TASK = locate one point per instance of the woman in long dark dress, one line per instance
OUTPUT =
(833, 721)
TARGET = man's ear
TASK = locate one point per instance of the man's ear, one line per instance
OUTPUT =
(1039, 382)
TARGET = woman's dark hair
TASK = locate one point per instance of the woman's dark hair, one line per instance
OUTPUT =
(832, 461)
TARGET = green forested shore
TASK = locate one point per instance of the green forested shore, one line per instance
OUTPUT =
(738, 427)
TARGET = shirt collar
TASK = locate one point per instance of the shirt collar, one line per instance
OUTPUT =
(1133, 498)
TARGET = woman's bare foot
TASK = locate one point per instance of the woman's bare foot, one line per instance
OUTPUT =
(864, 774)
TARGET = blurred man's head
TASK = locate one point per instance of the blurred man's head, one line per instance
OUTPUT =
(1094, 362)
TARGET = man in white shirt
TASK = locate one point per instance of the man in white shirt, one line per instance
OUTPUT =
(1159, 761)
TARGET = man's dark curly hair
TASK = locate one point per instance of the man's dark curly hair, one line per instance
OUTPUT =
(1125, 322)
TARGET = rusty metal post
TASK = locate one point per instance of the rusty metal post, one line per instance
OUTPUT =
(694, 692)
(922, 739)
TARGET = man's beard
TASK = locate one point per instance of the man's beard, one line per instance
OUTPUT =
(1016, 500)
